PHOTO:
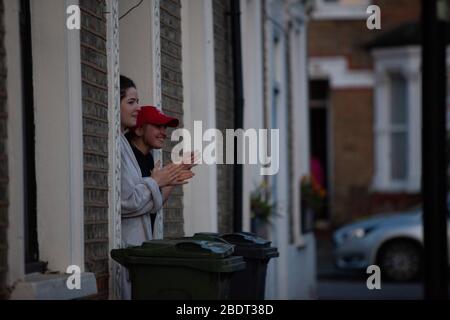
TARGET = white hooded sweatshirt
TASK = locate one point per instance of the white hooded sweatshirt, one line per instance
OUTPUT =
(139, 197)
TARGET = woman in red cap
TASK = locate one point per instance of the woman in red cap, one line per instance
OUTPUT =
(150, 134)
(140, 196)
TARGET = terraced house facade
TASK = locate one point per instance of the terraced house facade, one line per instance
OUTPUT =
(60, 125)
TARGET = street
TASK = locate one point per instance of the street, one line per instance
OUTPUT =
(336, 284)
(354, 289)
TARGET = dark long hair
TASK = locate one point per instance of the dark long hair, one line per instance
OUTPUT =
(125, 84)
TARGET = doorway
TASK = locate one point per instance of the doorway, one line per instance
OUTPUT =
(32, 263)
(319, 141)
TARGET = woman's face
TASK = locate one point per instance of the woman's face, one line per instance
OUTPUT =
(154, 136)
(129, 108)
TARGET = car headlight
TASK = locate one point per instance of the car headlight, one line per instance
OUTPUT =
(357, 233)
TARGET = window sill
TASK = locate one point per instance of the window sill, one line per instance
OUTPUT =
(395, 188)
(53, 287)
(339, 12)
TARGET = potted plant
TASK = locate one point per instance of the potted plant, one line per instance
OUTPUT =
(262, 209)
(313, 200)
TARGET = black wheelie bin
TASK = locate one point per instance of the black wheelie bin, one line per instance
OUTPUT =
(250, 283)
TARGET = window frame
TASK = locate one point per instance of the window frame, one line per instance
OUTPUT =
(404, 61)
(398, 128)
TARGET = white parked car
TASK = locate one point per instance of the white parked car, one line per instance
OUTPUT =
(394, 242)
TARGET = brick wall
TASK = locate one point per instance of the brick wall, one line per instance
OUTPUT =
(224, 107)
(352, 197)
(341, 38)
(172, 102)
(352, 111)
(398, 11)
(352, 141)
(347, 37)
(95, 140)
(3, 162)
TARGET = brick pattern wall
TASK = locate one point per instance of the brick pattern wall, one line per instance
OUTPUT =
(398, 11)
(3, 162)
(341, 38)
(352, 141)
(352, 111)
(95, 140)
(172, 102)
(224, 107)
(347, 37)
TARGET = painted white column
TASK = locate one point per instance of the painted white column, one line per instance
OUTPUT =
(200, 195)
(58, 120)
(281, 229)
(75, 126)
(301, 153)
(252, 54)
(271, 283)
(155, 18)
(279, 120)
(16, 246)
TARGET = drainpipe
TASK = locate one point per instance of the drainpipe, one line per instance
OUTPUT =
(238, 109)
(434, 171)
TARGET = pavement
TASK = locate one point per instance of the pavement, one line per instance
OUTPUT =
(337, 284)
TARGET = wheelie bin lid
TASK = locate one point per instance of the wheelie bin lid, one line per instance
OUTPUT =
(183, 249)
(199, 254)
(247, 244)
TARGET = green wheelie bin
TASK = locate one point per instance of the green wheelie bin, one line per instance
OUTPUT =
(250, 283)
(180, 269)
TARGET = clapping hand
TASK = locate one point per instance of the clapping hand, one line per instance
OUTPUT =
(183, 177)
(190, 160)
(167, 175)
(172, 174)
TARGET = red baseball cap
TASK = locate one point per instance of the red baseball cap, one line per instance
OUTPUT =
(152, 115)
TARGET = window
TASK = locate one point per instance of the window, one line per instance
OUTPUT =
(319, 93)
(399, 127)
(397, 114)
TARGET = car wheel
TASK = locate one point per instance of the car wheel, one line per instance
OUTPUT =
(400, 260)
